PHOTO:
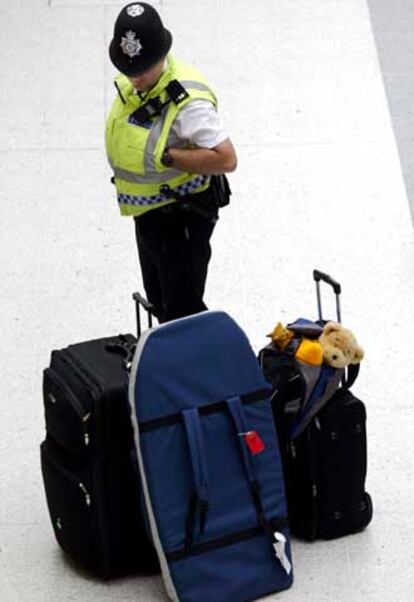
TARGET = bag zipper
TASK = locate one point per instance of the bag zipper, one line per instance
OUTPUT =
(315, 489)
(97, 389)
(68, 476)
(83, 414)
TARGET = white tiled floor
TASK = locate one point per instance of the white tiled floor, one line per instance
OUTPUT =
(318, 185)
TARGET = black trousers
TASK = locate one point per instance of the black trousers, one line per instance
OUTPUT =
(174, 252)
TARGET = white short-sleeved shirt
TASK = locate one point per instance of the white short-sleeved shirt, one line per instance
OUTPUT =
(197, 124)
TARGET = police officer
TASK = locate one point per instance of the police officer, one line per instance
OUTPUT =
(166, 146)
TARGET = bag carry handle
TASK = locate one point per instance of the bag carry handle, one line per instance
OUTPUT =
(200, 498)
(351, 372)
(123, 347)
(237, 414)
(236, 411)
(318, 276)
(278, 540)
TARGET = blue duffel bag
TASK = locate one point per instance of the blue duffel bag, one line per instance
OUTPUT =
(209, 461)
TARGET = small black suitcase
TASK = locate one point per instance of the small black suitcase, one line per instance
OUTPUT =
(90, 479)
(325, 470)
(325, 465)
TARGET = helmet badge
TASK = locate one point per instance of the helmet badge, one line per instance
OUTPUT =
(131, 45)
(135, 10)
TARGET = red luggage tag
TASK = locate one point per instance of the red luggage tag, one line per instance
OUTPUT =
(254, 442)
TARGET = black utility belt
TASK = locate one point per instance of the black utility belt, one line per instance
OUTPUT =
(188, 204)
(202, 203)
(206, 203)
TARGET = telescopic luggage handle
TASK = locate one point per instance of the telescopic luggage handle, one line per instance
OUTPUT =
(149, 308)
(123, 345)
(318, 276)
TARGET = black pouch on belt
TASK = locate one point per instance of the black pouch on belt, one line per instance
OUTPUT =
(221, 189)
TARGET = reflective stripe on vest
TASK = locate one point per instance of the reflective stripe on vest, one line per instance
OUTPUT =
(183, 189)
(134, 178)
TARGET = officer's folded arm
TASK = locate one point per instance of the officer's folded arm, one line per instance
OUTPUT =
(209, 161)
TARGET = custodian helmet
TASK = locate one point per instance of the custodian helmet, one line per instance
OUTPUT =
(140, 40)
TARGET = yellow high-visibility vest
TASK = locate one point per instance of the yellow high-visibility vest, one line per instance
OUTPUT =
(135, 149)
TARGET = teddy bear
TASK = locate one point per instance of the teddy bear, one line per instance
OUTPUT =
(339, 346)
(281, 336)
(306, 351)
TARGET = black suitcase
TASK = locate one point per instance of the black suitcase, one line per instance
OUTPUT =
(325, 465)
(90, 478)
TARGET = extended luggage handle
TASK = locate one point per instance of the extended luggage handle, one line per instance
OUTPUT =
(352, 370)
(140, 301)
(122, 346)
(318, 276)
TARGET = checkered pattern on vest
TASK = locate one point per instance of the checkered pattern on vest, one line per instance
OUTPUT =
(182, 189)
